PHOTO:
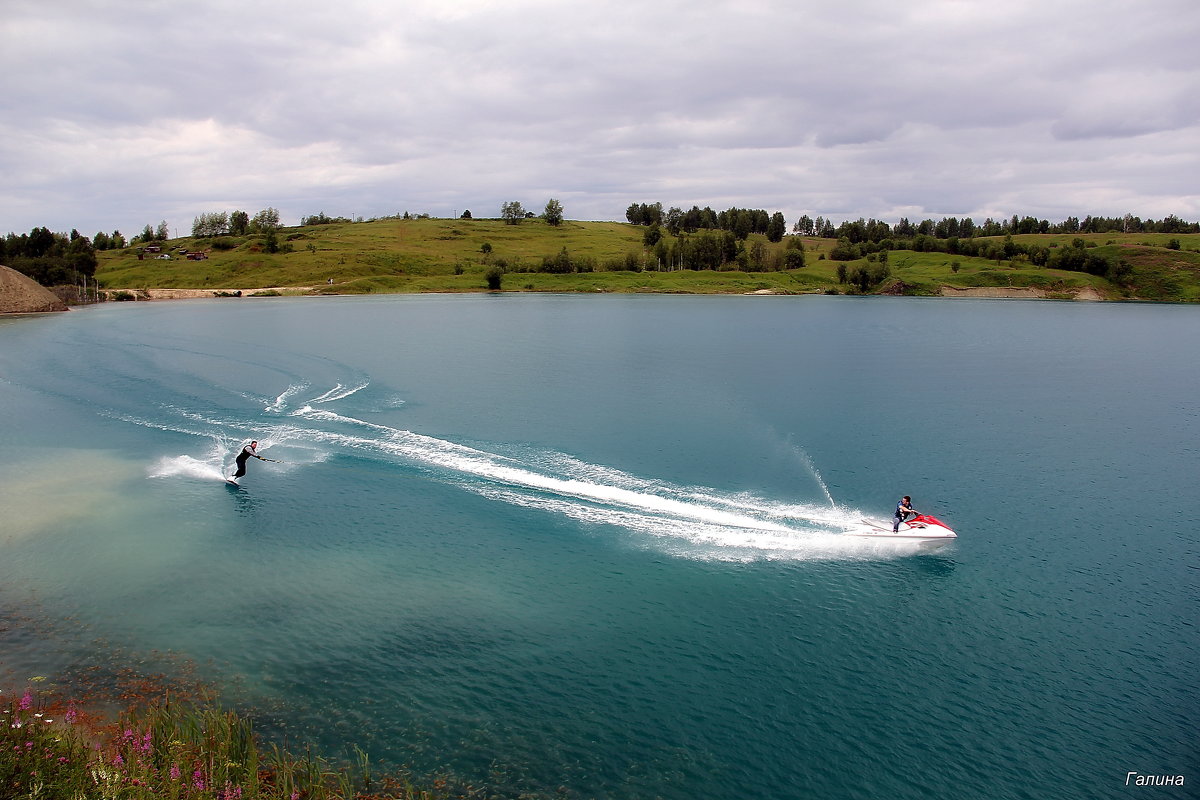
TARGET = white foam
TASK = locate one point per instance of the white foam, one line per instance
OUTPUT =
(187, 467)
(281, 402)
(738, 526)
(340, 392)
(695, 522)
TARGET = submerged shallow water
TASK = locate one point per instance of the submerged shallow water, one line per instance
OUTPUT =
(596, 543)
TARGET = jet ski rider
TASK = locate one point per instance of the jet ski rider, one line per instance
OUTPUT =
(903, 509)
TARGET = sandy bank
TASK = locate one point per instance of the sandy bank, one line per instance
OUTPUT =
(192, 294)
(20, 294)
(1016, 292)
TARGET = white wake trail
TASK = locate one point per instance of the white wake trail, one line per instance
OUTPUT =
(600, 494)
(340, 392)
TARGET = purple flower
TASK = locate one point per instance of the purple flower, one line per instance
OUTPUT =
(26, 701)
(175, 773)
(71, 715)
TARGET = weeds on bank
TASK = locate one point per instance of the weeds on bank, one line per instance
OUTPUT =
(50, 750)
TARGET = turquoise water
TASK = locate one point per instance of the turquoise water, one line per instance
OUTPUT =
(592, 545)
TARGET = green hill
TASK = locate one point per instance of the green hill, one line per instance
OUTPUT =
(454, 255)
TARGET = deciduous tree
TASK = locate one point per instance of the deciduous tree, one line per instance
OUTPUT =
(512, 213)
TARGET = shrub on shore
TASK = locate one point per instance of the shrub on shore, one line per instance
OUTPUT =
(165, 749)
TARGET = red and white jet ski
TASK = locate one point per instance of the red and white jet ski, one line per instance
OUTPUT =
(928, 532)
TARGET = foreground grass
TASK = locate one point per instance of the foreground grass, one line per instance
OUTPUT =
(49, 750)
(449, 255)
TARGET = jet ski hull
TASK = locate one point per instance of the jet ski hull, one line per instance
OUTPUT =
(928, 532)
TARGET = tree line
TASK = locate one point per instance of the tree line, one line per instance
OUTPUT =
(873, 230)
(513, 212)
(741, 222)
(239, 223)
(1075, 257)
(53, 259)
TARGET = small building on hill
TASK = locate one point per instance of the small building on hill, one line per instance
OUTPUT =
(20, 294)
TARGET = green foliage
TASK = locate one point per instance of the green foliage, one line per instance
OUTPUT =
(51, 259)
(512, 213)
(214, 223)
(417, 255)
(265, 220)
(322, 219)
(793, 255)
(494, 277)
(553, 213)
(1076, 259)
(845, 250)
(162, 749)
(865, 277)
(559, 264)
(239, 223)
(776, 228)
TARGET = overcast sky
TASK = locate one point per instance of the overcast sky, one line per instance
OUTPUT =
(119, 113)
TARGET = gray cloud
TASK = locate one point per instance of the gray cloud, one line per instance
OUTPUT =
(122, 113)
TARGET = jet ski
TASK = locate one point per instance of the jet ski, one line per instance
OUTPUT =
(928, 532)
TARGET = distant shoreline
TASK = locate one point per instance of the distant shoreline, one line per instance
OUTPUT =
(1085, 294)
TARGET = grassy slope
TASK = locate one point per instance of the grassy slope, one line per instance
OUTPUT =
(423, 256)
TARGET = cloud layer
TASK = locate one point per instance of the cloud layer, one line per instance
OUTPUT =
(122, 113)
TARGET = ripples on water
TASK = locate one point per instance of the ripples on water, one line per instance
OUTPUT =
(452, 569)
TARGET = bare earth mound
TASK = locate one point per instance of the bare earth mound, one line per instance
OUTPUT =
(22, 295)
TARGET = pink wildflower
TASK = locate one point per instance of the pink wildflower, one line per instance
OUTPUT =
(26, 701)
(198, 780)
(175, 773)
(117, 760)
(71, 715)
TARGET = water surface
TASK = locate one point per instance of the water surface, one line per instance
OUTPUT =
(595, 542)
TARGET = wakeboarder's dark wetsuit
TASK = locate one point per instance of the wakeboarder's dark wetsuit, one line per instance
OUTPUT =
(247, 452)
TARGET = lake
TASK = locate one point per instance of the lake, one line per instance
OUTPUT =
(593, 546)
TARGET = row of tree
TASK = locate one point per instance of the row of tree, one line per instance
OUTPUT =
(239, 223)
(873, 230)
(740, 221)
(51, 259)
(704, 250)
(1079, 256)
(513, 212)
(718, 250)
